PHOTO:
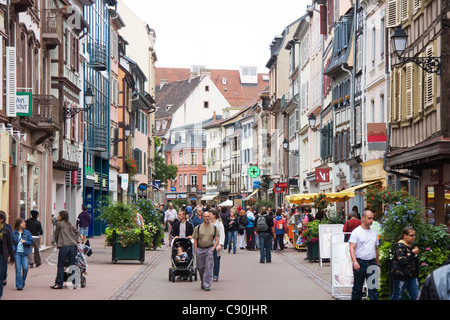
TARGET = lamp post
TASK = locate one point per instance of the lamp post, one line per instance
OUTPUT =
(430, 64)
(312, 125)
(89, 100)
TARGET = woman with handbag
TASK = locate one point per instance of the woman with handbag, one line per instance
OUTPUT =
(66, 239)
(22, 241)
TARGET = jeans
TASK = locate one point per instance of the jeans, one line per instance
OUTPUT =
(232, 237)
(400, 286)
(64, 253)
(365, 272)
(3, 268)
(265, 247)
(216, 267)
(21, 265)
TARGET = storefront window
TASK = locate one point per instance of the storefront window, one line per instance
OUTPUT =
(23, 190)
(430, 205)
(35, 185)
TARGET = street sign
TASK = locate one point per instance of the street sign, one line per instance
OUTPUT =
(256, 184)
(173, 189)
(253, 171)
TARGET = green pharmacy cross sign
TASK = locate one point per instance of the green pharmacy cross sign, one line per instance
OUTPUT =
(253, 171)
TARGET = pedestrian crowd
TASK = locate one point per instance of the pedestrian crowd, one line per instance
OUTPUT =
(217, 229)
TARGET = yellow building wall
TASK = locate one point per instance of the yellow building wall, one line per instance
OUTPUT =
(4, 171)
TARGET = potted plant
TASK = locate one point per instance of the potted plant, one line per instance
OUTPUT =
(122, 232)
(320, 203)
(310, 237)
(131, 166)
(152, 221)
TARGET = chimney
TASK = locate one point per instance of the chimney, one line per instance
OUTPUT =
(162, 82)
(205, 72)
(192, 75)
(214, 117)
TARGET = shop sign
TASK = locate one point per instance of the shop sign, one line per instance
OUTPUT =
(322, 175)
(24, 104)
(280, 187)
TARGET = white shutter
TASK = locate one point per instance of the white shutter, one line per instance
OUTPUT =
(392, 13)
(429, 80)
(417, 5)
(409, 90)
(420, 88)
(405, 9)
(397, 95)
(11, 81)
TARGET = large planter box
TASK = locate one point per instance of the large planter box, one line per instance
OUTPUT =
(133, 252)
(313, 251)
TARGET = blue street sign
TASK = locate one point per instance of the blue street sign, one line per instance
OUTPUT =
(256, 184)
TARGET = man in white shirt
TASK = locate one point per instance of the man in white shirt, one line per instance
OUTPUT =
(170, 215)
(364, 254)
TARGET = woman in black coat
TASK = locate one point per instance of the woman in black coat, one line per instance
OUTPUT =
(6, 250)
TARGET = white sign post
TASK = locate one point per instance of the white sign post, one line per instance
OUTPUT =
(325, 233)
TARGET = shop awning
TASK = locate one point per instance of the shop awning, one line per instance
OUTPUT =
(209, 197)
(361, 186)
(227, 203)
(341, 196)
(252, 194)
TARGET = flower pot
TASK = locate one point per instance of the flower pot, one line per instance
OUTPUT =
(313, 251)
(131, 252)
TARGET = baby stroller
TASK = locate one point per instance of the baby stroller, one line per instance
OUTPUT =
(182, 267)
(83, 250)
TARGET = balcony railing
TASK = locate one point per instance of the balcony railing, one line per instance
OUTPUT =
(46, 112)
(22, 5)
(51, 28)
(98, 55)
(192, 188)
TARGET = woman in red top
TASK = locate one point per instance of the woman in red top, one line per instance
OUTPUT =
(351, 224)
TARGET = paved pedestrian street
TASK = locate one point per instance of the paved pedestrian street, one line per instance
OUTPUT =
(241, 277)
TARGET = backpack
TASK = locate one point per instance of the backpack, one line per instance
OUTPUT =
(261, 224)
(243, 220)
(279, 225)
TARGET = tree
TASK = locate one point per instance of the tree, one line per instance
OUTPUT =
(163, 172)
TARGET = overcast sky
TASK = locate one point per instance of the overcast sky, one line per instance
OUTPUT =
(216, 33)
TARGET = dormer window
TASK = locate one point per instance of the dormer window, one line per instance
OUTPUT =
(169, 106)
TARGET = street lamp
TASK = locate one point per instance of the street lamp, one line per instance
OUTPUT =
(89, 100)
(430, 64)
(127, 132)
(286, 145)
(312, 125)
